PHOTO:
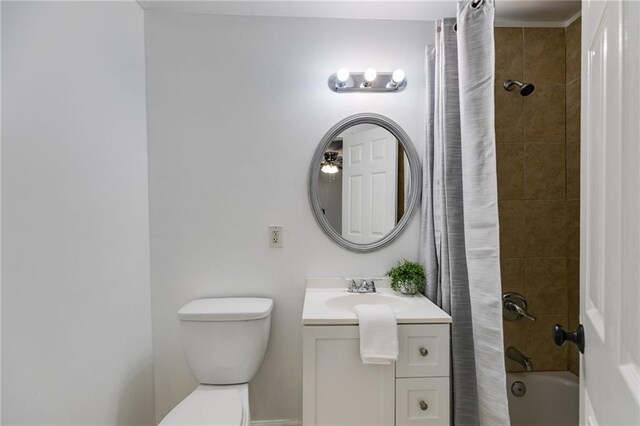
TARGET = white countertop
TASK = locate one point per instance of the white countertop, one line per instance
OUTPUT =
(327, 302)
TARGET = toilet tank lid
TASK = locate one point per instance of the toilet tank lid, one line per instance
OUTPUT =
(226, 309)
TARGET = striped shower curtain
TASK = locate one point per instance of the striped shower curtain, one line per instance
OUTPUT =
(459, 229)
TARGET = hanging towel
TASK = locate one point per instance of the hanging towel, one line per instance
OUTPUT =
(378, 334)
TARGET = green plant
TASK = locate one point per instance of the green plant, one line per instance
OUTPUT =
(407, 277)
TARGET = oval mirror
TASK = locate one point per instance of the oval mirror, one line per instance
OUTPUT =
(364, 182)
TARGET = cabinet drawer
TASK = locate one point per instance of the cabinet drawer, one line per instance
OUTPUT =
(422, 401)
(424, 350)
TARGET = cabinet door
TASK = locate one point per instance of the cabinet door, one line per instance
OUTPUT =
(422, 401)
(338, 388)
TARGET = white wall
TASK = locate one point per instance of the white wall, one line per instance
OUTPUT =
(236, 107)
(75, 305)
(0, 215)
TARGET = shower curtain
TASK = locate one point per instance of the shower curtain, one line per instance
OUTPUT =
(459, 244)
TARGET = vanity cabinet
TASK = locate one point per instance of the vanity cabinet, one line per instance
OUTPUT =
(340, 390)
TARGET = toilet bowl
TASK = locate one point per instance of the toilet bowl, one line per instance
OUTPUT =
(211, 405)
(224, 342)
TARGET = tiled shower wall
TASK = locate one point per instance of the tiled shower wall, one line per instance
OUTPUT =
(573, 43)
(538, 170)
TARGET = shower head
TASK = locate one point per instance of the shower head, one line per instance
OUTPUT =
(525, 88)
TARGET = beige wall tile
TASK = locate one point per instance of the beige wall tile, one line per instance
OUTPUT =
(508, 42)
(544, 115)
(509, 116)
(573, 229)
(545, 228)
(573, 49)
(573, 183)
(544, 171)
(573, 291)
(512, 273)
(573, 170)
(573, 360)
(515, 334)
(573, 111)
(544, 55)
(511, 216)
(546, 356)
(537, 235)
(546, 285)
(510, 167)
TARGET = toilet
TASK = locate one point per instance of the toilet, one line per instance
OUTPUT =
(224, 341)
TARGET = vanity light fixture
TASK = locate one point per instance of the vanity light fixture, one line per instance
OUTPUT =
(369, 81)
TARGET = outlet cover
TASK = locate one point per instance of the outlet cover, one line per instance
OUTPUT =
(275, 236)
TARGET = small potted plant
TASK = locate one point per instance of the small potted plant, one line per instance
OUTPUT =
(407, 277)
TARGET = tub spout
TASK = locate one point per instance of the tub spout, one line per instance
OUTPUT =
(517, 356)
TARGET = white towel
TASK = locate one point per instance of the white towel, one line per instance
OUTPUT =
(378, 334)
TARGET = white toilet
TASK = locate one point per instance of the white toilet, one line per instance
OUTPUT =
(224, 341)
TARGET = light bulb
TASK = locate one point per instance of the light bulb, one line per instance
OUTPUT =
(342, 75)
(370, 75)
(329, 168)
(398, 76)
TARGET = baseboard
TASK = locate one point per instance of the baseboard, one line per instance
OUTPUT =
(281, 422)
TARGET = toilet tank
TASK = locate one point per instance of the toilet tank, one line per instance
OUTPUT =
(225, 339)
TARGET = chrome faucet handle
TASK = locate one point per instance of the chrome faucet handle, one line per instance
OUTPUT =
(364, 287)
(519, 310)
(515, 307)
(367, 287)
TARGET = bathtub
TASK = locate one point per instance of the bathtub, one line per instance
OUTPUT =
(551, 398)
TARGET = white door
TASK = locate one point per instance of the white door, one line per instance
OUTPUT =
(610, 213)
(369, 185)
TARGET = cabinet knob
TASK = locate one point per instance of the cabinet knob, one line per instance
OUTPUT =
(423, 351)
(424, 406)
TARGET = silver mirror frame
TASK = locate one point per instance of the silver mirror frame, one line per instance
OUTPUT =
(415, 184)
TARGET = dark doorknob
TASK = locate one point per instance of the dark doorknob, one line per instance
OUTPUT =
(577, 337)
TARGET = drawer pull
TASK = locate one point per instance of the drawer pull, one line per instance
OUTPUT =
(423, 351)
(424, 406)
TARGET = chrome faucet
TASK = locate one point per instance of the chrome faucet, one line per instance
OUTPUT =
(515, 307)
(363, 287)
(517, 356)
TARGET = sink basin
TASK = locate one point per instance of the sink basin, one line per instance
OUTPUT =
(327, 302)
(348, 301)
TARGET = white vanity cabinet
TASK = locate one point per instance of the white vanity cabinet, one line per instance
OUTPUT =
(338, 389)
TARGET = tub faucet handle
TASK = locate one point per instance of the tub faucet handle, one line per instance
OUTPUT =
(512, 306)
(515, 307)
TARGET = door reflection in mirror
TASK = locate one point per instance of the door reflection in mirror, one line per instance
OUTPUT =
(362, 183)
